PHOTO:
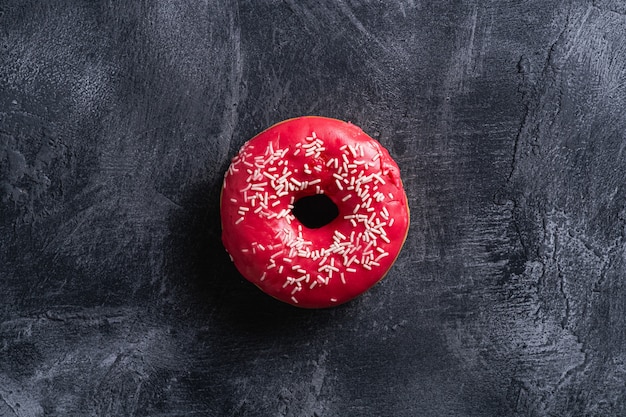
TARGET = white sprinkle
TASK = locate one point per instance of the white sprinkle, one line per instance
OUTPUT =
(269, 176)
(379, 178)
(343, 278)
(347, 197)
(382, 255)
(339, 184)
(295, 181)
(391, 222)
(263, 276)
(350, 269)
(239, 220)
(385, 238)
(333, 300)
(294, 300)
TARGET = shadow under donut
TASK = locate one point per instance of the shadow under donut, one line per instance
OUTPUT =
(209, 285)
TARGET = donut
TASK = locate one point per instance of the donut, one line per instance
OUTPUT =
(313, 211)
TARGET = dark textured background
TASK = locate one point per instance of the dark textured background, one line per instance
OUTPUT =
(118, 120)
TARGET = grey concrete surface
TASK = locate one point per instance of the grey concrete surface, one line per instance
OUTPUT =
(118, 120)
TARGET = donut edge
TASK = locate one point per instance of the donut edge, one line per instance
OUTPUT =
(408, 214)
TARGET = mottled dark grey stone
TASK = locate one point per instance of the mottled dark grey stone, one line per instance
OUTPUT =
(118, 120)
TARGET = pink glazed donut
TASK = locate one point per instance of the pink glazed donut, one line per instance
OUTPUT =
(319, 167)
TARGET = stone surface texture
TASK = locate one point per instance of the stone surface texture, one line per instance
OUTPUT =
(119, 119)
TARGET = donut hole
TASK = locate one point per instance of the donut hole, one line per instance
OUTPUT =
(315, 211)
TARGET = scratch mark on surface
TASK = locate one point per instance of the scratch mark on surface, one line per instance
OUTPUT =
(85, 215)
(9, 405)
(463, 62)
(169, 200)
(353, 19)
(521, 132)
(231, 110)
(473, 21)
(357, 24)
(553, 62)
(576, 37)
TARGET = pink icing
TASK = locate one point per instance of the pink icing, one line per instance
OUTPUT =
(313, 268)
